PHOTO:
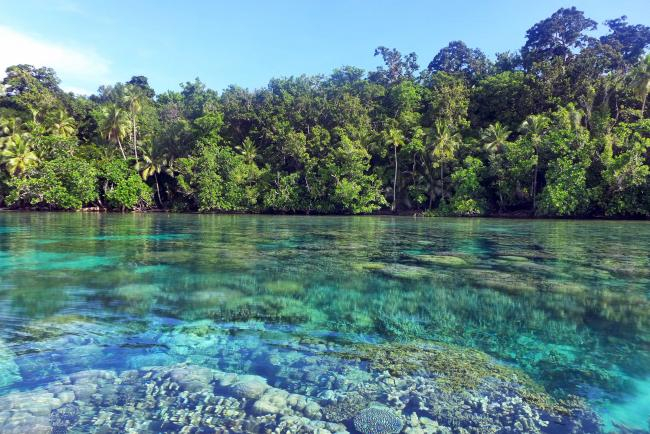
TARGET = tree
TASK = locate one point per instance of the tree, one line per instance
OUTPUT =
(447, 98)
(397, 68)
(458, 58)
(31, 88)
(152, 165)
(11, 125)
(561, 124)
(343, 181)
(495, 137)
(468, 198)
(512, 171)
(505, 97)
(133, 100)
(534, 127)
(625, 172)
(122, 187)
(556, 36)
(11, 128)
(445, 142)
(141, 83)
(214, 179)
(18, 155)
(628, 40)
(395, 138)
(114, 125)
(63, 125)
(566, 193)
(248, 150)
(61, 183)
(640, 82)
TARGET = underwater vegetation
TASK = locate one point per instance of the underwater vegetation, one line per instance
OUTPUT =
(441, 325)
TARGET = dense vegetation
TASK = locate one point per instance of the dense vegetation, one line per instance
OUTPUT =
(556, 129)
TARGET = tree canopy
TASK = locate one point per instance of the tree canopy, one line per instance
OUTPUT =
(558, 128)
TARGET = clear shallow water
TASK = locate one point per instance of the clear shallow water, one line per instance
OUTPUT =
(565, 302)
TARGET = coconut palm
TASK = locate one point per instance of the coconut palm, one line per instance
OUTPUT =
(35, 112)
(395, 138)
(152, 165)
(495, 137)
(445, 142)
(9, 126)
(114, 125)
(18, 155)
(535, 126)
(133, 100)
(640, 82)
(63, 125)
(248, 150)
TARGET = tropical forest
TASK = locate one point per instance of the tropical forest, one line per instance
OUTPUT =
(449, 240)
(558, 128)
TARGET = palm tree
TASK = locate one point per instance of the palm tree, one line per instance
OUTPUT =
(133, 100)
(63, 125)
(535, 126)
(114, 125)
(9, 126)
(11, 129)
(641, 82)
(394, 137)
(18, 155)
(445, 142)
(575, 117)
(35, 112)
(495, 137)
(248, 150)
(153, 165)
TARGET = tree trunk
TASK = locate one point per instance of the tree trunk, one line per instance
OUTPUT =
(645, 97)
(534, 187)
(119, 143)
(395, 179)
(135, 138)
(442, 182)
(155, 175)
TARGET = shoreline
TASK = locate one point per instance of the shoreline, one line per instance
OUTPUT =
(418, 214)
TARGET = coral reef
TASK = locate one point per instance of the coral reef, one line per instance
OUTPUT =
(378, 420)
(313, 386)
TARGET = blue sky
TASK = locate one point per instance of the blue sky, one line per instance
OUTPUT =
(245, 42)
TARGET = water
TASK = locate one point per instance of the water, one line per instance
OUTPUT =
(563, 307)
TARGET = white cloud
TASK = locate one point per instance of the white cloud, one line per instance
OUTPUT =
(77, 67)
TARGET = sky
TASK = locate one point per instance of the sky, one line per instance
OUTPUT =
(247, 42)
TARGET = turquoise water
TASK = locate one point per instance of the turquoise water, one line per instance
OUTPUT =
(303, 303)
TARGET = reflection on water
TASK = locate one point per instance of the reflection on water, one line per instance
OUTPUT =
(557, 311)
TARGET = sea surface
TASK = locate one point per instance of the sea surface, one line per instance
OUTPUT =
(209, 323)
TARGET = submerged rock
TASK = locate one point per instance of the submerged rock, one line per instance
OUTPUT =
(137, 292)
(368, 266)
(402, 271)
(249, 386)
(442, 260)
